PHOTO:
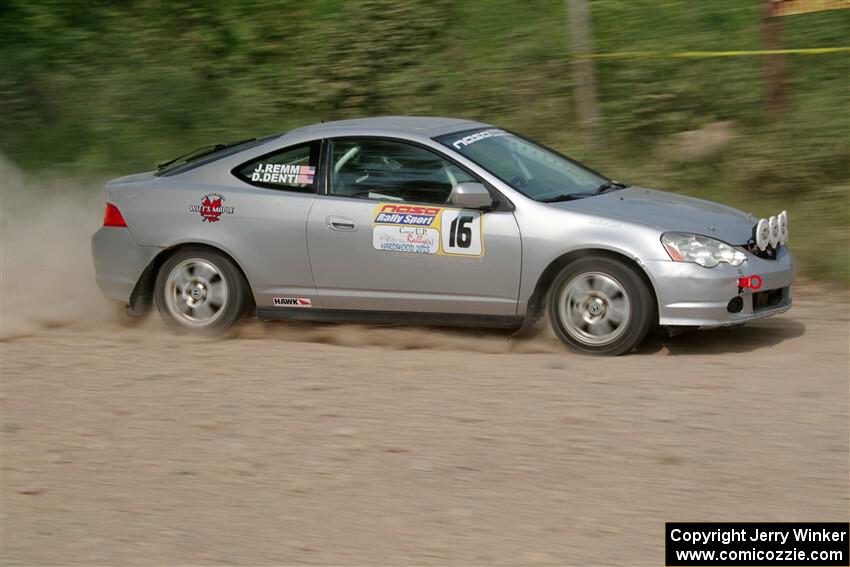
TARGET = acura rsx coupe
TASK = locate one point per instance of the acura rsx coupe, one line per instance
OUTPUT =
(431, 221)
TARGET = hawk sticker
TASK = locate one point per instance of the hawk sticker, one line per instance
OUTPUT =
(292, 302)
(211, 208)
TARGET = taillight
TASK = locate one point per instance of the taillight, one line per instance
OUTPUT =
(113, 217)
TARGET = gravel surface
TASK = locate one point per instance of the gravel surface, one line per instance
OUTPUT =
(349, 445)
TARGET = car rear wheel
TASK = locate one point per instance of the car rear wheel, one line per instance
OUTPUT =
(600, 306)
(200, 291)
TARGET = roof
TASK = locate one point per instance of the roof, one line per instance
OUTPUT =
(426, 125)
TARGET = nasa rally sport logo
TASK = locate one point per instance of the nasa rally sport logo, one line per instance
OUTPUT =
(406, 214)
(211, 208)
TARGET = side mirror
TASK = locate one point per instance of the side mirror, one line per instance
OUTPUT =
(470, 196)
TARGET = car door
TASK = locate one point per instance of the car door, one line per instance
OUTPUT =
(382, 236)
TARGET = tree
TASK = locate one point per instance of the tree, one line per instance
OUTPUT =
(581, 38)
(774, 64)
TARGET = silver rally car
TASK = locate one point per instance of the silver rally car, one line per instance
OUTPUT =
(430, 221)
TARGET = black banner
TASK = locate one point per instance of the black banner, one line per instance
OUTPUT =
(743, 544)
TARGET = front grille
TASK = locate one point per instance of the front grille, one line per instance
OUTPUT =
(767, 299)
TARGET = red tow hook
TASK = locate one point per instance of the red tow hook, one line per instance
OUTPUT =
(751, 282)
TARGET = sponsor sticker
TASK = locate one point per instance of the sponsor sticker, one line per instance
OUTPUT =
(477, 137)
(406, 239)
(415, 215)
(421, 229)
(211, 208)
(292, 302)
(462, 233)
(283, 174)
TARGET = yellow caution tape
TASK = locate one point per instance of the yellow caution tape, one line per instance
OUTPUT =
(704, 54)
(780, 8)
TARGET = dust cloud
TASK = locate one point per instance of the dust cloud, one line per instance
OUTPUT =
(489, 341)
(46, 271)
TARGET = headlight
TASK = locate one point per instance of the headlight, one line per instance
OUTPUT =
(702, 250)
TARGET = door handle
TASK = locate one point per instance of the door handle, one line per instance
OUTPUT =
(342, 224)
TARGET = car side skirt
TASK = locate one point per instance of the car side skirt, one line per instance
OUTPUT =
(394, 317)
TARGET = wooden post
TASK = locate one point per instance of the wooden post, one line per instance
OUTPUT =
(776, 100)
(581, 38)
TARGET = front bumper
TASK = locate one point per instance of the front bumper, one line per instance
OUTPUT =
(119, 261)
(693, 296)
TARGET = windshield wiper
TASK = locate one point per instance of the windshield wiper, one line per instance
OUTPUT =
(566, 197)
(201, 152)
(609, 185)
(165, 164)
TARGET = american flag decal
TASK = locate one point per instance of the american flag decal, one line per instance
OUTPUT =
(305, 175)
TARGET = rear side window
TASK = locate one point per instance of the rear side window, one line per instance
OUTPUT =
(290, 169)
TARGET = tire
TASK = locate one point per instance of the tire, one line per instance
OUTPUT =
(600, 305)
(200, 291)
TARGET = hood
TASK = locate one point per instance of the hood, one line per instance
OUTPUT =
(669, 212)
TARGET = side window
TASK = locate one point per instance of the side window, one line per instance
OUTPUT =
(290, 169)
(390, 170)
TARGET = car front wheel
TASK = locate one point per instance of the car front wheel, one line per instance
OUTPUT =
(599, 305)
(200, 291)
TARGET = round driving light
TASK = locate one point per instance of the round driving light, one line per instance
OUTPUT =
(783, 227)
(762, 234)
(774, 231)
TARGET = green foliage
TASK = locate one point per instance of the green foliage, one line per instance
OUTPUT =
(98, 86)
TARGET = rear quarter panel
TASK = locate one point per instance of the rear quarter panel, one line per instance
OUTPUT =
(263, 230)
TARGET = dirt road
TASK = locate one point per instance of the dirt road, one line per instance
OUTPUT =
(296, 445)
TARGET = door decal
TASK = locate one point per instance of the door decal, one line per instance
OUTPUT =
(414, 215)
(406, 239)
(461, 232)
(422, 229)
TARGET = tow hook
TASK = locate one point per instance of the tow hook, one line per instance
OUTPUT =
(749, 282)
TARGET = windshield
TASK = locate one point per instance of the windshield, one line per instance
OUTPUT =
(533, 170)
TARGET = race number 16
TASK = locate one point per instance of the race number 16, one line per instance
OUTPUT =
(461, 232)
